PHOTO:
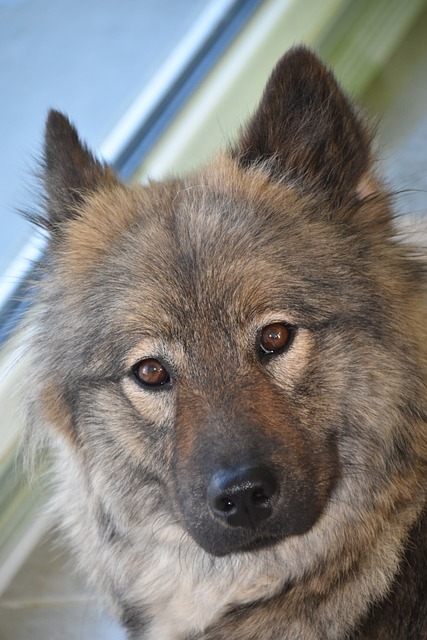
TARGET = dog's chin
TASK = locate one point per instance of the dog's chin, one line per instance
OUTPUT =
(230, 541)
(216, 548)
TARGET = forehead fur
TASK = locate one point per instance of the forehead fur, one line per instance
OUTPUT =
(189, 216)
(206, 203)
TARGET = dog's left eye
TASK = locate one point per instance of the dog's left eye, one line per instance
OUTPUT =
(275, 337)
(150, 372)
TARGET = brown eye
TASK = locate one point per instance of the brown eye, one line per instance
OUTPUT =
(151, 372)
(275, 337)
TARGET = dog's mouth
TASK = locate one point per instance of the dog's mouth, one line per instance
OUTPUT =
(222, 541)
(261, 542)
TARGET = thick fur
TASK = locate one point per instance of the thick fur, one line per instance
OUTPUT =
(290, 226)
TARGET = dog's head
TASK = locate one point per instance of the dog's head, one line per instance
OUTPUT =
(224, 347)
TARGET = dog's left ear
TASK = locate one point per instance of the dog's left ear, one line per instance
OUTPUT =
(305, 132)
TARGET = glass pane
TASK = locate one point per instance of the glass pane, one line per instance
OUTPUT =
(89, 59)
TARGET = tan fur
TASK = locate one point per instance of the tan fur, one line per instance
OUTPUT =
(289, 226)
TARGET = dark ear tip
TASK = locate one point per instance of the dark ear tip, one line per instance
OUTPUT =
(55, 118)
(301, 51)
(301, 55)
(59, 128)
(60, 133)
(301, 62)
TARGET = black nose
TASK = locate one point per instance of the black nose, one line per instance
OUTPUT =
(242, 497)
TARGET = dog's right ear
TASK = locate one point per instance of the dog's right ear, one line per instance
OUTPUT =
(70, 173)
(306, 132)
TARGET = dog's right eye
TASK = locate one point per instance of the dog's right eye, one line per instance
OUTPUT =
(150, 373)
(275, 338)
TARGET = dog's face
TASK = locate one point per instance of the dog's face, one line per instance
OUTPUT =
(209, 344)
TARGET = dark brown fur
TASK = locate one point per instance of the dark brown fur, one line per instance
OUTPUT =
(289, 226)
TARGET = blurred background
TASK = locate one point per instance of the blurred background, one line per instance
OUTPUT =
(155, 86)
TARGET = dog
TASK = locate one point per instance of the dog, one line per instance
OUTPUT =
(230, 374)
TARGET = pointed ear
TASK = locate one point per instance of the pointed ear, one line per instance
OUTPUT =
(306, 132)
(70, 171)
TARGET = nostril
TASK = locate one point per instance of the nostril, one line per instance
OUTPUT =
(260, 497)
(243, 497)
(224, 505)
